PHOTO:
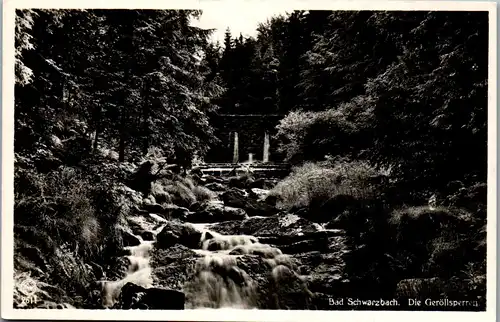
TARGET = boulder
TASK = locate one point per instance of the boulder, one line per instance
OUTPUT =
(196, 179)
(135, 226)
(174, 266)
(132, 196)
(154, 208)
(272, 200)
(215, 186)
(173, 211)
(117, 268)
(213, 212)
(129, 239)
(236, 198)
(178, 233)
(196, 171)
(262, 183)
(141, 179)
(168, 211)
(137, 297)
(147, 235)
(279, 229)
(241, 182)
(261, 194)
(209, 179)
(321, 210)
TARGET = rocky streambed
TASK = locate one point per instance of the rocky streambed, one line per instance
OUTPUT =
(236, 250)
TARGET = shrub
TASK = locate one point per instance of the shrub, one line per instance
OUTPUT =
(159, 193)
(309, 136)
(439, 242)
(63, 220)
(323, 181)
(203, 194)
(181, 195)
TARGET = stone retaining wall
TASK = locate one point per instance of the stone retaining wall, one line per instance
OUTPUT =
(251, 131)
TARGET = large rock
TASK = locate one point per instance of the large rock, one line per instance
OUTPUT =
(236, 198)
(216, 186)
(321, 210)
(262, 183)
(214, 212)
(167, 211)
(173, 267)
(327, 268)
(142, 226)
(147, 235)
(196, 171)
(260, 194)
(178, 233)
(209, 179)
(117, 268)
(280, 226)
(137, 297)
(241, 182)
(142, 178)
(129, 239)
(131, 196)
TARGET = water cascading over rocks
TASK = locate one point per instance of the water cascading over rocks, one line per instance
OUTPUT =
(235, 262)
(139, 270)
(220, 282)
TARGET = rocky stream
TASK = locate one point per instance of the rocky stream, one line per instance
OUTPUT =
(235, 251)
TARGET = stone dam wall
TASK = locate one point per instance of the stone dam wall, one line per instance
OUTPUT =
(251, 131)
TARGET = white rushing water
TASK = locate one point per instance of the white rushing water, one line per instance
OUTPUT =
(219, 282)
(139, 270)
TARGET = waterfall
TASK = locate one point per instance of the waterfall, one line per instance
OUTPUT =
(235, 151)
(250, 157)
(139, 270)
(266, 148)
(219, 281)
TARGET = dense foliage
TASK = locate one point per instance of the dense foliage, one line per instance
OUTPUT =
(378, 111)
(386, 122)
(102, 93)
(94, 87)
(406, 90)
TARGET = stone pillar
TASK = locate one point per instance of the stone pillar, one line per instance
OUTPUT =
(265, 158)
(235, 148)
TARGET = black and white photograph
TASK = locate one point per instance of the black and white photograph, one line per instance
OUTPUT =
(246, 157)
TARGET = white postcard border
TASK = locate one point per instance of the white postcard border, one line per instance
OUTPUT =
(8, 312)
